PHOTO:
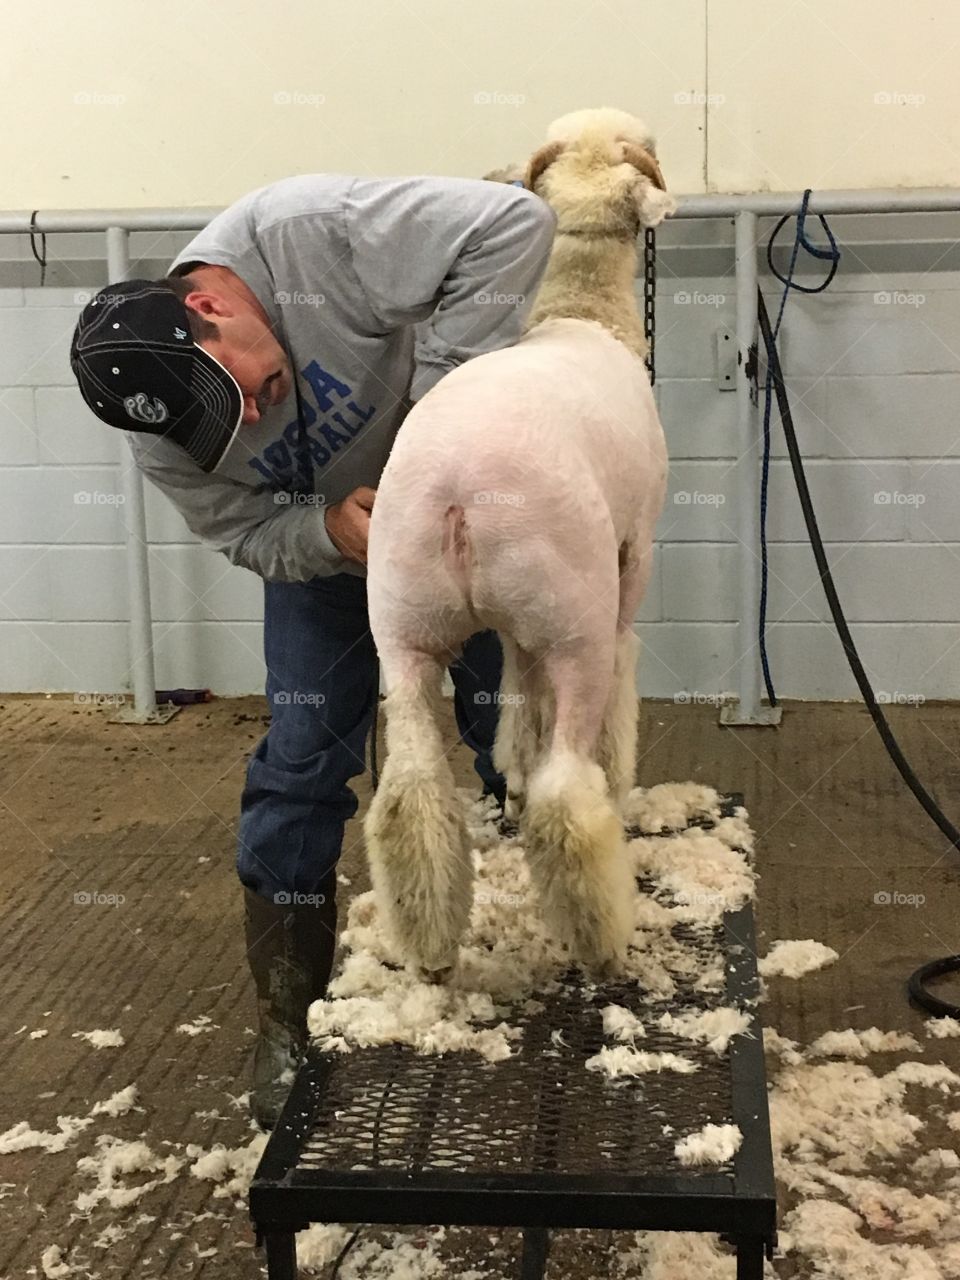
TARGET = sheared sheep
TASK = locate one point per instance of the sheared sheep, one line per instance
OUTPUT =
(522, 494)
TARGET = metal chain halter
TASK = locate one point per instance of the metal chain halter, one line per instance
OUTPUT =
(650, 297)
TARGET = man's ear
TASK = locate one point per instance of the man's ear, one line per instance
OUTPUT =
(509, 173)
(209, 305)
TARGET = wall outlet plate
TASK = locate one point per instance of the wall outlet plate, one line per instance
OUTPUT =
(726, 345)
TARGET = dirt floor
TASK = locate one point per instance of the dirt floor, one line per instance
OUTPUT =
(123, 911)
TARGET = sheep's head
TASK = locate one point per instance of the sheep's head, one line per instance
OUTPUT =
(599, 172)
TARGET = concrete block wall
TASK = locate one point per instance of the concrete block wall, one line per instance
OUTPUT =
(874, 370)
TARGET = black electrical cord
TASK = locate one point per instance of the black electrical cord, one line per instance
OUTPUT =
(354, 1237)
(950, 964)
(374, 761)
(831, 255)
(40, 257)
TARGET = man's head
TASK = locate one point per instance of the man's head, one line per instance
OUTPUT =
(190, 358)
(227, 320)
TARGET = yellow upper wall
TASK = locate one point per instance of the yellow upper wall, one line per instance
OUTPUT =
(112, 104)
(833, 93)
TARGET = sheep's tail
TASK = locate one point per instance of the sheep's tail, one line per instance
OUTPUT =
(577, 858)
(455, 545)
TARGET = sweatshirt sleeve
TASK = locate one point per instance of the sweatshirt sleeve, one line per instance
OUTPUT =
(462, 255)
(282, 541)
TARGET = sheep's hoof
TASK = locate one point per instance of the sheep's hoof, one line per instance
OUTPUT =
(602, 969)
(513, 806)
(436, 976)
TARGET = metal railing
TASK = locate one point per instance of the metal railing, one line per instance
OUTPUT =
(744, 209)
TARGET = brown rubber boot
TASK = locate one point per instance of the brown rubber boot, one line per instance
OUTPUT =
(290, 946)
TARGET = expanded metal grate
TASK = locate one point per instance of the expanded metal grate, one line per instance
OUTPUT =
(386, 1134)
(390, 1107)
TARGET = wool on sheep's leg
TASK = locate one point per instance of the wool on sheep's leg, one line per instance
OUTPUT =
(617, 744)
(573, 834)
(416, 837)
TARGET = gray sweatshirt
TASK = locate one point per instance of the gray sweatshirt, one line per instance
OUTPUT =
(376, 288)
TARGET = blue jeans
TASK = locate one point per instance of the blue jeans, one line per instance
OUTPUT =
(322, 685)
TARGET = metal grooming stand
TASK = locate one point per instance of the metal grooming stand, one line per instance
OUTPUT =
(387, 1136)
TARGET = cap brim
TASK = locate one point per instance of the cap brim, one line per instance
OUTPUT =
(208, 434)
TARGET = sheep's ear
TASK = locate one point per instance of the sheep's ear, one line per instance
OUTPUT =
(653, 205)
(654, 202)
(540, 161)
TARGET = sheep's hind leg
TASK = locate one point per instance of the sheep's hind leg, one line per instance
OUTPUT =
(573, 834)
(519, 726)
(617, 743)
(415, 832)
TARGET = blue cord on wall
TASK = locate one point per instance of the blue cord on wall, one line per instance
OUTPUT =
(831, 255)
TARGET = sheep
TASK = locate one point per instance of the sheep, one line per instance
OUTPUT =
(521, 494)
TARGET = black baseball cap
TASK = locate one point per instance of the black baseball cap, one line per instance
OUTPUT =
(139, 369)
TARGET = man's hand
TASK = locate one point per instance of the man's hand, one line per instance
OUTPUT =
(348, 523)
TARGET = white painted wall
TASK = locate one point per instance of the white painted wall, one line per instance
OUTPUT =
(832, 93)
(876, 387)
(128, 103)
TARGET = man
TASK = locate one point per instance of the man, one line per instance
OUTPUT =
(261, 385)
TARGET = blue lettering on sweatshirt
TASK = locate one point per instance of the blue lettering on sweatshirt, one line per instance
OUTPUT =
(291, 460)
